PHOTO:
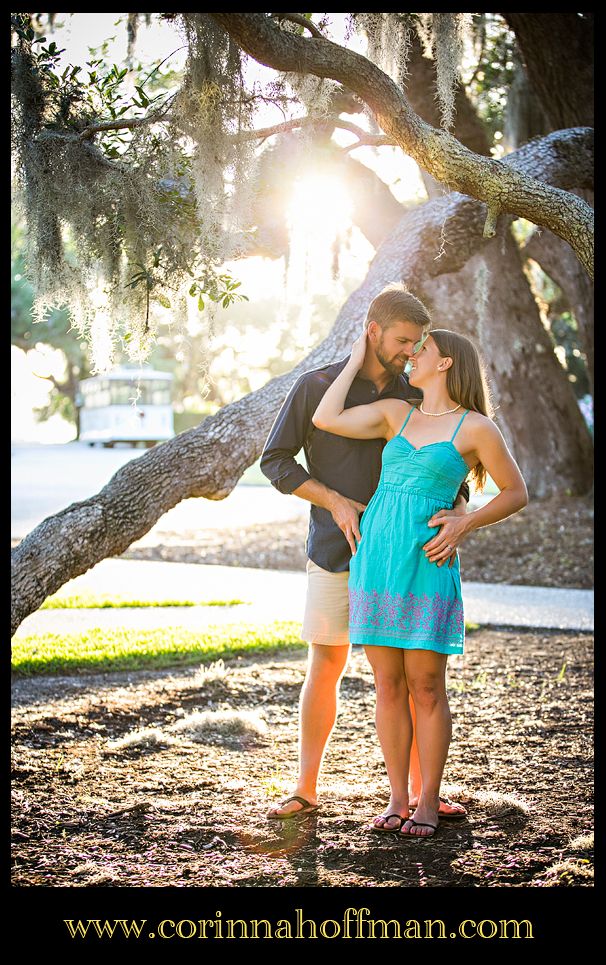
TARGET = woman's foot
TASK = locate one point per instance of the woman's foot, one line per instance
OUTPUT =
(294, 805)
(396, 813)
(425, 821)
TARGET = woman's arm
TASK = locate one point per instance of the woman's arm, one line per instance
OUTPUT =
(492, 452)
(374, 421)
(496, 458)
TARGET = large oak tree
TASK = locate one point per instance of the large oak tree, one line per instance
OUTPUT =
(469, 229)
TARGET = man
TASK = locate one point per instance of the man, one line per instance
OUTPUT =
(343, 475)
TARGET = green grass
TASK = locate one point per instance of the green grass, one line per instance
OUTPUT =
(97, 649)
(92, 601)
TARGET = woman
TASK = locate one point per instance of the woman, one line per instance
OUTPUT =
(405, 606)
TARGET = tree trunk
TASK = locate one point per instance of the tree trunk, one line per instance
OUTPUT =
(558, 261)
(431, 239)
(557, 49)
(535, 405)
(524, 117)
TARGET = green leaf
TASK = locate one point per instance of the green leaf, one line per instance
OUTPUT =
(143, 96)
(193, 289)
(200, 304)
(163, 300)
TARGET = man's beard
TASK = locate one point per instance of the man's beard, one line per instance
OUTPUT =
(391, 366)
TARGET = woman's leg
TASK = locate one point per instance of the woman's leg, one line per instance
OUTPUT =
(426, 677)
(394, 727)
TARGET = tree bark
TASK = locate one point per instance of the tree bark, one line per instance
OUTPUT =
(501, 186)
(431, 239)
(535, 405)
(557, 261)
(557, 49)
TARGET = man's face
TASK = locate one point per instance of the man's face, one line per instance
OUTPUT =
(396, 344)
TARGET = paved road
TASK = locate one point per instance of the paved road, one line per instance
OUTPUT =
(277, 595)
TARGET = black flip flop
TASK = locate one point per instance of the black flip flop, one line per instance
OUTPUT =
(420, 824)
(386, 817)
(307, 808)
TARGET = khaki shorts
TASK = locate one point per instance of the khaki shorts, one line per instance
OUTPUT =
(326, 616)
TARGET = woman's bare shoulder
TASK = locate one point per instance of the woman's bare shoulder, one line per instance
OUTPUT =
(481, 425)
(395, 412)
(474, 418)
(396, 408)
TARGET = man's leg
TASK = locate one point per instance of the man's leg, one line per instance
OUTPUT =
(318, 706)
(326, 628)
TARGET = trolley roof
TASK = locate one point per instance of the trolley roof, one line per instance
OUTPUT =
(130, 374)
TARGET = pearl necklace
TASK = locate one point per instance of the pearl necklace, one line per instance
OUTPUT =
(446, 411)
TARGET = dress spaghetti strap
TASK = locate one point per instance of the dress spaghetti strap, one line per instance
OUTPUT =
(412, 408)
(458, 425)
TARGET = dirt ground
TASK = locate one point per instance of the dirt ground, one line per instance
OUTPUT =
(186, 806)
(549, 543)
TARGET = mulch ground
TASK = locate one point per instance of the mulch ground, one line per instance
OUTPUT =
(186, 808)
(549, 543)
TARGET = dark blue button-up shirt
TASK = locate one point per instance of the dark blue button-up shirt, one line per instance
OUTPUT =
(350, 466)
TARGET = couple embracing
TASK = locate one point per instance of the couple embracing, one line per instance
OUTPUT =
(397, 448)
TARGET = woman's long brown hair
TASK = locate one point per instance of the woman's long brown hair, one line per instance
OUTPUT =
(465, 381)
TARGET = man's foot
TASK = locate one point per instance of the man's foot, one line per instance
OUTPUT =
(293, 807)
(448, 809)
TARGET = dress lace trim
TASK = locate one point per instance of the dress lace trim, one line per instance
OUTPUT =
(423, 617)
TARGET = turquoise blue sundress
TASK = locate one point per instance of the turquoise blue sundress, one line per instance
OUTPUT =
(397, 598)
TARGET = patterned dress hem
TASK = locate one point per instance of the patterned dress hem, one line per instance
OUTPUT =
(361, 638)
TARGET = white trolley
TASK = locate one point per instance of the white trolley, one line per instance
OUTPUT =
(128, 404)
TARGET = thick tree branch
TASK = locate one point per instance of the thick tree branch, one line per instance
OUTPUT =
(301, 20)
(489, 180)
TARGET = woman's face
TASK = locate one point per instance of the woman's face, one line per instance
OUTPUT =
(424, 362)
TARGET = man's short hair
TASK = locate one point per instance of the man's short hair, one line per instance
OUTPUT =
(396, 304)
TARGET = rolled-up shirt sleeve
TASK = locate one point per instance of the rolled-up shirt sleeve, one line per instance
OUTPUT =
(287, 437)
